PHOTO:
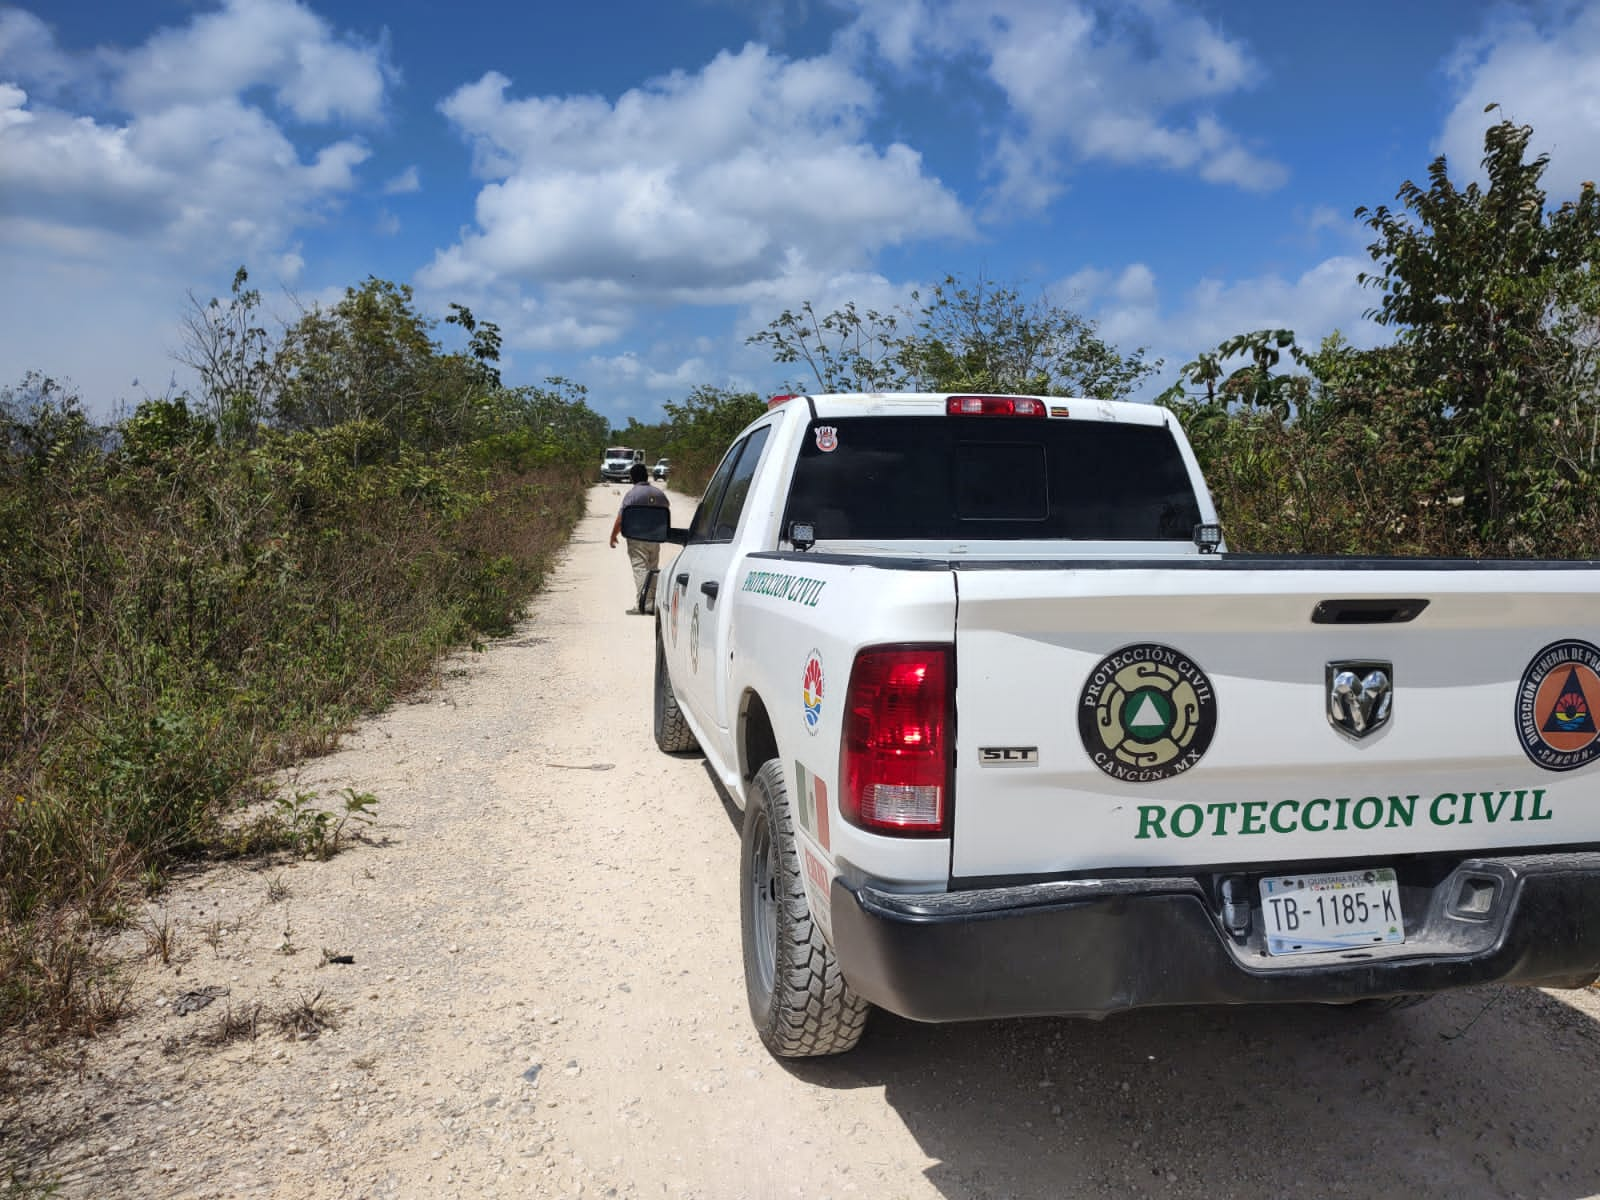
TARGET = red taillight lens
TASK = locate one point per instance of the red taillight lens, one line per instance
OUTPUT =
(894, 758)
(994, 406)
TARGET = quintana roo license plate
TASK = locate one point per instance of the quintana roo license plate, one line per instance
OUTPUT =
(1343, 910)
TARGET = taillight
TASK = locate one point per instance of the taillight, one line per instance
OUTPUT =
(894, 758)
(994, 406)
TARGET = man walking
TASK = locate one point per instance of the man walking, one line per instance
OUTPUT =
(643, 555)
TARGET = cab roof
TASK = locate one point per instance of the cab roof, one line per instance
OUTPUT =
(886, 404)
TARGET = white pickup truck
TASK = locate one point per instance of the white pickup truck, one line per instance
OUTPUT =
(1014, 734)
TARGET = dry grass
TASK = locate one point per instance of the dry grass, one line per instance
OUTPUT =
(171, 628)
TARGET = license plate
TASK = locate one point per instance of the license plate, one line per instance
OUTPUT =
(1345, 910)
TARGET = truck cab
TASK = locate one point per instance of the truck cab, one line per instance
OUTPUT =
(617, 462)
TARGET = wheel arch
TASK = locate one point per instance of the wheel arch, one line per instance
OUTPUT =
(758, 741)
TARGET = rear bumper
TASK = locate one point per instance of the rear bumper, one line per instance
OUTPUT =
(1093, 947)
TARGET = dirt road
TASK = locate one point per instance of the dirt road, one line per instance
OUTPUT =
(545, 999)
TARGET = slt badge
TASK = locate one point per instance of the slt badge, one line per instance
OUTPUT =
(1359, 696)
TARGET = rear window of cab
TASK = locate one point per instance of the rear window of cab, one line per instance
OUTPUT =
(991, 478)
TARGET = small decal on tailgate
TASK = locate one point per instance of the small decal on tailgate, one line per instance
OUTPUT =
(1147, 713)
(1555, 706)
(1008, 756)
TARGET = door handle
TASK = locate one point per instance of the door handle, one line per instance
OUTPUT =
(711, 587)
(683, 580)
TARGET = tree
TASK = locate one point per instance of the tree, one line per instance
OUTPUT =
(236, 359)
(363, 359)
(965, 337)
(846, 350)
(1492, 296)
(483, 342)
(984, 337)
(704, 425)
(1256, 385)
(371, 359)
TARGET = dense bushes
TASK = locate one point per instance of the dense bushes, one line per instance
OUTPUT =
(1476, 432)
(191, 599)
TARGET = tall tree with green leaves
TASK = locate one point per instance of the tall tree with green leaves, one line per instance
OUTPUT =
(976, 336)
(236, 358)
(846, 350)
(371, 361)
(704, 424)
(1491, 293)
(986, 337)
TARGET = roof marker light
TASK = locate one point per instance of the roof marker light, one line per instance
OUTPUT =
(777, 400)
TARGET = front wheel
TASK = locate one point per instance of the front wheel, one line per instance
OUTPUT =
(799, 1000)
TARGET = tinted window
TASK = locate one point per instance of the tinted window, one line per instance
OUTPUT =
(700, 527)
(739, 486)
(953, 478)
(1002, 481)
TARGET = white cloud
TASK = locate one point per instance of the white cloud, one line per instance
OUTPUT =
(629, 372)
(182, 158)
(280, 44)
(1131, 311)
(29, 54)
(1544, 75)
(126, 174)
(405, 182)
(706, 188)
(190, 176)
(1123, 85)
(1325, 216)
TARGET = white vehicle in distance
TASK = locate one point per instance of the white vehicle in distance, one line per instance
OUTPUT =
(662, 469)
(617, 462)
(1015, 734)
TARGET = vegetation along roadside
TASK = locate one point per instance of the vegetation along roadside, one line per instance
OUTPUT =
(215, 585)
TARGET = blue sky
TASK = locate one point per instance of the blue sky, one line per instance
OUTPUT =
(630, 189)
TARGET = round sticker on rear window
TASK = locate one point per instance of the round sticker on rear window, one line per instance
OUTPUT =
(1555, 706)
(1147, 713)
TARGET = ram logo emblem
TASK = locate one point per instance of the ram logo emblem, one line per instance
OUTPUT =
(1360, 696)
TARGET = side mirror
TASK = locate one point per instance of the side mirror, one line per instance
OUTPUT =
(651, 523)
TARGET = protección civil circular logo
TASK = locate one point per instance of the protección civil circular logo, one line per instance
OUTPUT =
(1147, 713)
(1555, 706)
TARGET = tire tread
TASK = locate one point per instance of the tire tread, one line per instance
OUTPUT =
(812, 1012)
(672, 732)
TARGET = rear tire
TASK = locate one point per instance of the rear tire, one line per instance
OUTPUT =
(800, 1003)
(671, 730)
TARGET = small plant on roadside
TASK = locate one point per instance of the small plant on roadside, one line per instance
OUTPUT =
(52, 981)
(161, 938)
(312, 832)
(277, 889)
(233, 1025)
(305, 1018)
(213, 937)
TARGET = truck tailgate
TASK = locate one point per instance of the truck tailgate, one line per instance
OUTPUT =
(1145, 716)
